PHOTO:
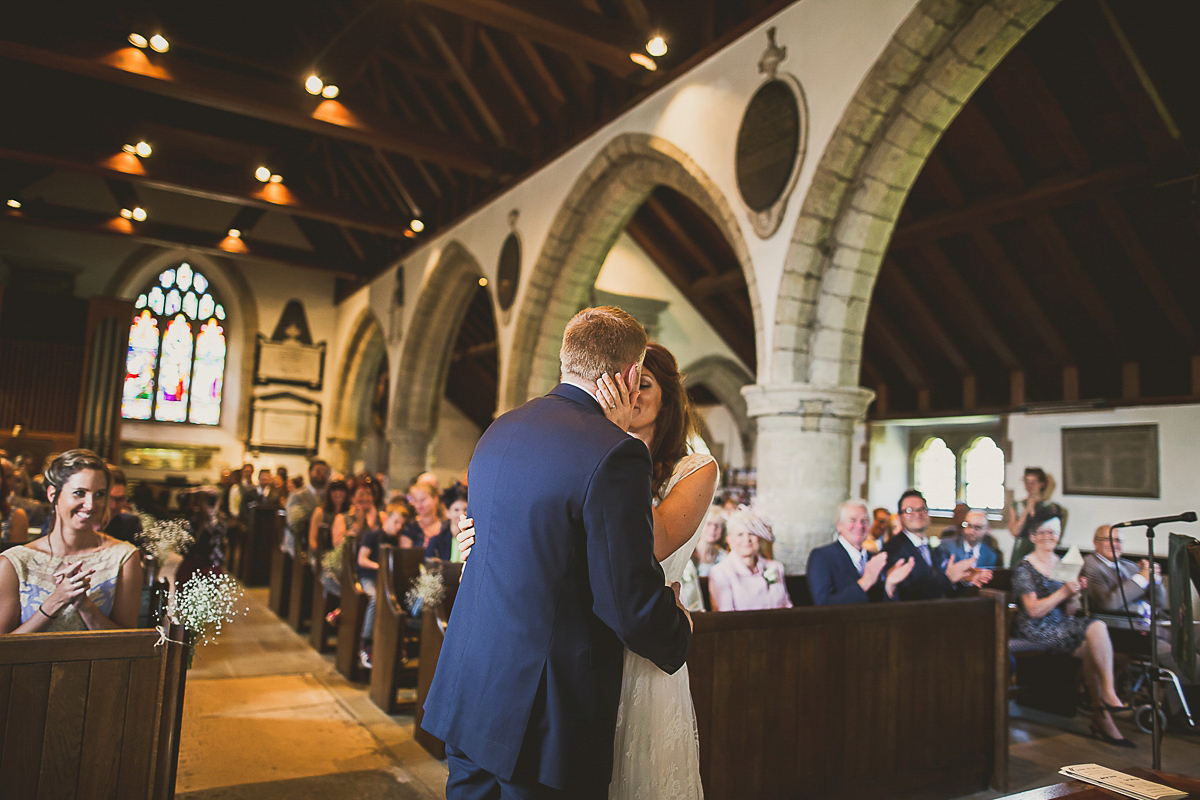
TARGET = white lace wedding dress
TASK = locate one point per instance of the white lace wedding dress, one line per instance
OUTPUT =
(656, 752)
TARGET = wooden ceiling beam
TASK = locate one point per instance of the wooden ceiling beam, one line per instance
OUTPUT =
(1043, 196)
(508, 79)
(686, 242)
(208, 185)
(541, 70)
(73, 220)
(897, 350)
(895, 282)
(194, 83)
(464, 80)
(565, 27)
(711, 285)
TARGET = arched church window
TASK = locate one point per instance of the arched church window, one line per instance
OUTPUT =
(935, 470)
(175, 366)
(983, 474)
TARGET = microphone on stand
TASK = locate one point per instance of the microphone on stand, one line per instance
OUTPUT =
(1187, 516)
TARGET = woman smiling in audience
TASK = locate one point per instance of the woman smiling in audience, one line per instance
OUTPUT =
(74, 578)
(1045, 615)
(746, 581)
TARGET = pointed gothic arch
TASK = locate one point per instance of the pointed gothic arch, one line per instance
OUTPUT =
(365, 355)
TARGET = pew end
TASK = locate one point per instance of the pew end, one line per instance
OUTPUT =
(391, 665)
(350, 621)
(433, 633)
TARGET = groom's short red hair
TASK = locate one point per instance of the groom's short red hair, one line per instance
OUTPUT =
(599, 340)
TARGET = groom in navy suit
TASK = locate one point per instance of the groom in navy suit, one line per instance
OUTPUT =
(561, 579)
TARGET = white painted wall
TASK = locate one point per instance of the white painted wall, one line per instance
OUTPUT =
(723, 428)
(453, 445)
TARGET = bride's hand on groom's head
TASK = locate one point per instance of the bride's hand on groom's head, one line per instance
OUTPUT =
(466, 535)
(616, 399)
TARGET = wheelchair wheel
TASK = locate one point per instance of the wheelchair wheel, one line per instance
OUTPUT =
(1132, 686)
(1143, 717)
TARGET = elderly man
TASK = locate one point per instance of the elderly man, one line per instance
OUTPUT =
(1108, 575)
(842, 572)
(301, 505)
(934, 574)
(970, 542)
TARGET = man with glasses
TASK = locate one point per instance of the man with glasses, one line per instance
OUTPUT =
(1108, 575)
(935, 574)
(970, 542)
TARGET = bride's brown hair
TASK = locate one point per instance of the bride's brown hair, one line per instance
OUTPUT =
(675, 421)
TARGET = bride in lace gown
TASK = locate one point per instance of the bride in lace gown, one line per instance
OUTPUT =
(656, 748)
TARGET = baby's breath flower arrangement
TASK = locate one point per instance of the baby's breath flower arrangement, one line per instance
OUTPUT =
(426, 590)
(162, 537)
(203, 604)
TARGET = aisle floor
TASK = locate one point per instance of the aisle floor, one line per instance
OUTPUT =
(266, 717)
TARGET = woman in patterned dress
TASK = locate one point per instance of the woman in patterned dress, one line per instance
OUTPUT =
(1045, 615)
(74, 577)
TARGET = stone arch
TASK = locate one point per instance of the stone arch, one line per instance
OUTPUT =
(365, 352)
(425, 356)
(592, 216)
(725, 378)
(934, 62)
(242, 326)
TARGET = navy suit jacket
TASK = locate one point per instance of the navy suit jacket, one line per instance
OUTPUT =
(833, 578)
(988, 558)
(925, 582)
(561, 579)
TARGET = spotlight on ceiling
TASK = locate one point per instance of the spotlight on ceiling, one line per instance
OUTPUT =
(263, 174)
(313, 84)
(139, 214)
(159, 43)
(14, 203)
(143, 149)
(330, 91)
(138, 41)
(126, 213)
(234, 233)
(657, 47)
(643, 61)
(483, 281)
(276, 178)
(417, 225)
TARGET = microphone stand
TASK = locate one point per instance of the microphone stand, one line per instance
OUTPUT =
(1155, 677)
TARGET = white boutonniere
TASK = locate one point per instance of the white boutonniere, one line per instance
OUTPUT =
(770, 575)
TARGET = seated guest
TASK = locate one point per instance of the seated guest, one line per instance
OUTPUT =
(1117, 584)
(712, 547)
(844, 572)
(74, 578)
(934, 574)
(14, 525)
(430, 515)
(442, 544)
(880, 532)
(122, 523)
(970, 543)
(21, 495)
(270, 496)
(394, 518)
(320, 527)
(363, 514)
(1045, 609)
(957, 518)
(745, 581)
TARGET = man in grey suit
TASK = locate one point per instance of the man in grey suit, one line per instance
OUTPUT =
(1108, 574)
(302, 504)
(971, 544)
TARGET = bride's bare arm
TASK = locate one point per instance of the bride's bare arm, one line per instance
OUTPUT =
(680, 513)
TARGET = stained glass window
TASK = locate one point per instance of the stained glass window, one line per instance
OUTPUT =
(983, 474)
(936, 472)
(175, 367)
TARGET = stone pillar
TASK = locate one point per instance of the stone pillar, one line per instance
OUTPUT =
(408, 456)
(803, 460)
(343, 450)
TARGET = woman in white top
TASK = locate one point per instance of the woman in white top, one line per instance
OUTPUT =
(74, 577)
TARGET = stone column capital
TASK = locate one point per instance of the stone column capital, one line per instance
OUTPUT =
(812, 403)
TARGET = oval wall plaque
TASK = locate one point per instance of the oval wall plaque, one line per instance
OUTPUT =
(767, 144)
(508, 272)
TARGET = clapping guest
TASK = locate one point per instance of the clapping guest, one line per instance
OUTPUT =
(844, 572)
(1115, 583)
(712, 547)
(880, 532)
(746, 581)
(14, 525)
(970, 543)
(1045, 615)
(934, 574)
(1021, 514)
(73, 578)
(363, 514)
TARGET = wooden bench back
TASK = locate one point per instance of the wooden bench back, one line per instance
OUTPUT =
(873, 700)
(92, 714)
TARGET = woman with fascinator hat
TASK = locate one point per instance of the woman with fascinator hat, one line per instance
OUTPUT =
(747, 580)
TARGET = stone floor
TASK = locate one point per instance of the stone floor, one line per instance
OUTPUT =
(268, 718)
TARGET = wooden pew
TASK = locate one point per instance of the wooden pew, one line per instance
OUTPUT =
(433, 633)
(398, 568)
(354, 609)
(280, 586)
(259, 542)
(879, 700)
(300, 591)
(92, 714)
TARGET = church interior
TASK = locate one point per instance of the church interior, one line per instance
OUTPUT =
(892, 244)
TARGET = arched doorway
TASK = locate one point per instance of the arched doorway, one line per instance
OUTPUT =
(361, 410)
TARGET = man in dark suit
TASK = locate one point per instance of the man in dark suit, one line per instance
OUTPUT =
(970, 543)
(842, 572)
(561, 579)
(934, 573)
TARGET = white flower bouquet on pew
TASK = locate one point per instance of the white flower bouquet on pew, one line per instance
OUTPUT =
(160, 538)
(202, 606)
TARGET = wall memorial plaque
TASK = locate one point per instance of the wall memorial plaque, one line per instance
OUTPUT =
(284, 423)
(771, 142)
(1111, 460)
(290, 361)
